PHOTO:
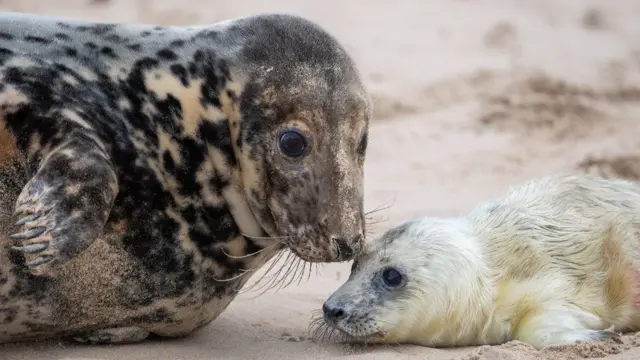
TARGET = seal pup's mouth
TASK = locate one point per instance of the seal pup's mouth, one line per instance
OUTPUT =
(378, 335)
(322, 329)
(349, 336)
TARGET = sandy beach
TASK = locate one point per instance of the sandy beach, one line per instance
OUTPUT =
(470, 97)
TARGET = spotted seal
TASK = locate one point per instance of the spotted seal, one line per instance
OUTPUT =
(146, 171)
(554, 261)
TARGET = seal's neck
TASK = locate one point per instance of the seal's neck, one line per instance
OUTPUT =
(208, 127)
(500, 288)
(211, 115)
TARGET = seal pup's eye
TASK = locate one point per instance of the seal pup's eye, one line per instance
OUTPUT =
(292, 143)
(391, 277)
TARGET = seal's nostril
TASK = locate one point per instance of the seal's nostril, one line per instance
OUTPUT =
(334, 313)
(344, 249)
(356, 240)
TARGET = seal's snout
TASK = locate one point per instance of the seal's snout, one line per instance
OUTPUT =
(333, 313)
(347, 247)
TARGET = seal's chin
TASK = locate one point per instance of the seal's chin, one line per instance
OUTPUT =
(376, 336)
(313, 247)
(312, 253)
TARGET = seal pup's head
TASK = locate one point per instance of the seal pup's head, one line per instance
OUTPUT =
(301, 137)
(420, 281)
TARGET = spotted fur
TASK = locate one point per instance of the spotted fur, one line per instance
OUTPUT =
(140, 173)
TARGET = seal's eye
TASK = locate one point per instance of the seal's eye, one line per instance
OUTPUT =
(292, 143)
(391, 277)
(362, 146)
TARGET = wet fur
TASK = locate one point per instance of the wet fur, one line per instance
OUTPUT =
(140, 180)
(554, 261)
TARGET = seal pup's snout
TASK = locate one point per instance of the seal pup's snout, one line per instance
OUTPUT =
(333, 312)
(348, 247)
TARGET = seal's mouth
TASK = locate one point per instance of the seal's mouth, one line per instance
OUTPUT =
(377, 335)
(305, 248)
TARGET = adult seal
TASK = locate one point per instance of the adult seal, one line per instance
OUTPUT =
(554, 261)
(147, 171)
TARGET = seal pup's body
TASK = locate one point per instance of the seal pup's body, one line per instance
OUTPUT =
(147, 171)
(554, 261)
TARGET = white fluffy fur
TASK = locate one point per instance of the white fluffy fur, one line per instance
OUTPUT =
(552, 262)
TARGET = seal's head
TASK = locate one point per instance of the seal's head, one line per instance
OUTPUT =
(409, 285)
(302, 136)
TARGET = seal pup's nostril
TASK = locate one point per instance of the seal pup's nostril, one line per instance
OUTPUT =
(333, 313)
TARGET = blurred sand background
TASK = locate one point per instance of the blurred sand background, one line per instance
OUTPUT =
(471, 96)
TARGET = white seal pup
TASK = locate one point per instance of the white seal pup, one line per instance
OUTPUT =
(553, 262)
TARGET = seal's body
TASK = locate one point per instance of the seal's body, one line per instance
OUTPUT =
(554, 261)
(147, 171)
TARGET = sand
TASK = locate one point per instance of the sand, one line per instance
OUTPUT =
(471, 96)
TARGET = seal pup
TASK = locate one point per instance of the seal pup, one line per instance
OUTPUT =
(554, 261)
(147, 171)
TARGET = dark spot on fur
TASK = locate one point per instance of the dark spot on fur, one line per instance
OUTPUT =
(71, 51)
(135, 47)
(5, 54)
(180, 72)
(91, 45)
(115, 38)
(5, 36)
(166, 54)
(177, 43)
(108, 52)
(102, 29)
(37, 39)
(168, 162)
(232, 95)
(61, 36)
(218, 134)
(145, 33)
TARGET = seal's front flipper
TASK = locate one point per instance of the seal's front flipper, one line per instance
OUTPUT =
(568, 337)
(63, 208)
(123, 335)
(554, 328)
